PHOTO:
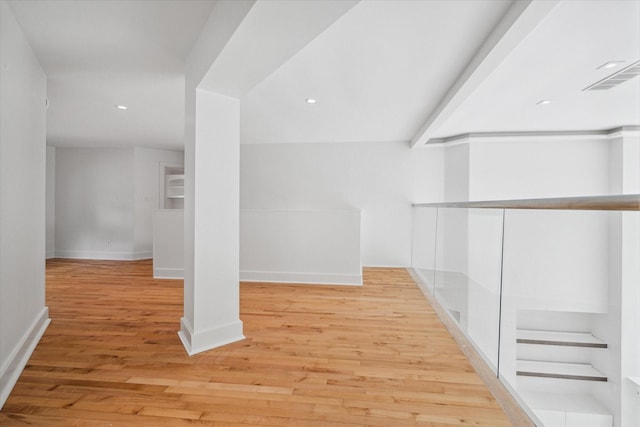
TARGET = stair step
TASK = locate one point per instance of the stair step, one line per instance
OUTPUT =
(572, 339)
(568, 371)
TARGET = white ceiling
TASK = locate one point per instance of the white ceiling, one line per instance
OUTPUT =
(376, 73)
(101, 53)
(379, 72)
(556, 62)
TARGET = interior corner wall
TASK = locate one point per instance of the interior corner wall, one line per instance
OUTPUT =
(624, 163)
(381, 180)
(94, 203)
(104, 198)
(51, 203)
(456, 172)
(23, 314)
(147, 181)
(519, 168)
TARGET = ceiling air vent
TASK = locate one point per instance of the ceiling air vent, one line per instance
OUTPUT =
(616, 78)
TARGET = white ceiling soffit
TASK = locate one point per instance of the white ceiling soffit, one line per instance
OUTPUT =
(101, 53)
(561, 57)
(376, 73)
(270, 34)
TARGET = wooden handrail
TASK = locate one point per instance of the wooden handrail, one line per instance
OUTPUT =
(623, 202)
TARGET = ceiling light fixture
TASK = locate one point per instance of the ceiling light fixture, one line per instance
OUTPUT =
(610, 64)
(121, 107)
(310, 100)
(544, 102)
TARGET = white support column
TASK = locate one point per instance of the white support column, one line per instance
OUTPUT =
(212, 151)
(212, 204)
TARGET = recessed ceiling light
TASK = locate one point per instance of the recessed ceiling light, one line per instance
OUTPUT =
(610, 64)
(310, 100)
(544, 102)
(121, 107)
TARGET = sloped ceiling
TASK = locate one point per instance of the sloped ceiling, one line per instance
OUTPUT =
(379, 72)
(376, 73)
(556, 62)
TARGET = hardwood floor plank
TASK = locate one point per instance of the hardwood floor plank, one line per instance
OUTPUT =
(314, 356)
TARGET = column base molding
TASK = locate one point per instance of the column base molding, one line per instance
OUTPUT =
(197, 342)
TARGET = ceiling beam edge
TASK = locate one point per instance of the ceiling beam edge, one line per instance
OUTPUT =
(519, 21)
(224, 20)
(271, 33)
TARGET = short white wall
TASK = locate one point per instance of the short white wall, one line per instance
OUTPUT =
(23, 314)
(147, 181)
(168, 244)
(300, 247)
(379, 179)
(316, 247)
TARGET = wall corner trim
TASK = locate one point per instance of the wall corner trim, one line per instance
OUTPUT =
(13, 367)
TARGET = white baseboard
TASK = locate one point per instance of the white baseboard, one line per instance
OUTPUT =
(303, 278)
(211, 338)
(104, 255)
(50, 254)
(168, 273)
(142, 255)
(14, 365)
(275, 277)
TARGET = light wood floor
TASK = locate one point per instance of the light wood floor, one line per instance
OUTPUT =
(314, 356)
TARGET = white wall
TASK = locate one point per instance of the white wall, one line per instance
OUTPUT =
(104, 198)
(624, 163)
(456, 172)
(23, 314)
(51, 202)
(319, 247)
(147, 181)
(300, 246)
(520, 168)
(379, 179)
(94, 203)
(168, 244)
(557, 260)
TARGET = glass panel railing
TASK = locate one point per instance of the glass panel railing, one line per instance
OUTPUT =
(467, 276)
(550, 297)
(424, 242)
